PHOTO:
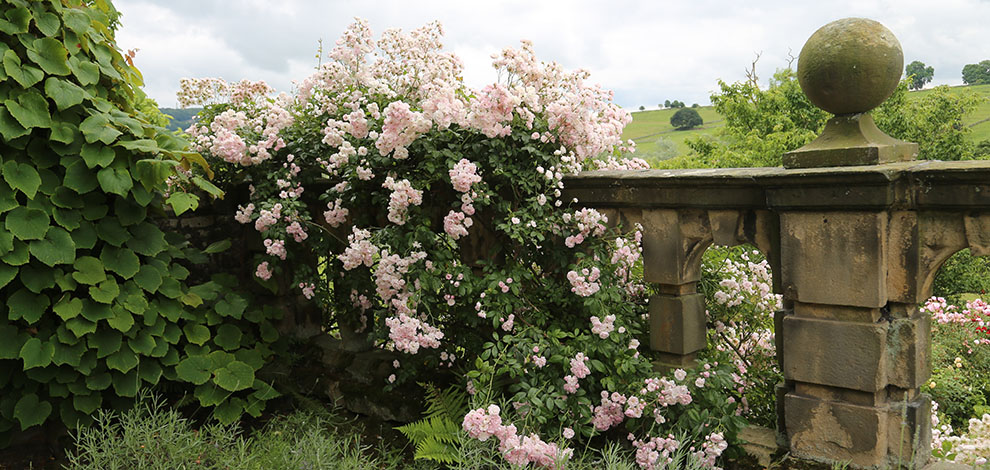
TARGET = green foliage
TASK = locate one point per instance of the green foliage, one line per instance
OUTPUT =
(934, 121)
(918, 74)
(686, 118)
(152, 436)
(437, 435)
(96, 295)
(962, 274)
(976, 74)
(760, 125)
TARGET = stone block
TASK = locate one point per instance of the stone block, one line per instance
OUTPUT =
(835, 353)
(673, 242)
(837, 312)
(726, 227)
(677, 323)
(836, 432)
(836, 258)
(909, 350)
(910, 432)
(978, 233)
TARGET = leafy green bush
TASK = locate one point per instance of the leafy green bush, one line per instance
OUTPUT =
(98, 300)
(961, 274)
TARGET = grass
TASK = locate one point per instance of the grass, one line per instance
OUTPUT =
(154, 436)
(648, 126)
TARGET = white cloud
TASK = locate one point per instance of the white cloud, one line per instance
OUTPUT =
(646, 51)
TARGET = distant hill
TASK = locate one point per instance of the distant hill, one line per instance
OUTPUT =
(180, 118)
(648, 126)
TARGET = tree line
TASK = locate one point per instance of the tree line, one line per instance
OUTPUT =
(972, 74)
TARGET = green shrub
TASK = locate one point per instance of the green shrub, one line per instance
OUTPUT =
(98, 300)
(153, 436)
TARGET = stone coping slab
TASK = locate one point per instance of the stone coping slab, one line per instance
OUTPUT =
(910, 185)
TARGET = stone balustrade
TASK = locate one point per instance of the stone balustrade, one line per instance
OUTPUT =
(854, 231)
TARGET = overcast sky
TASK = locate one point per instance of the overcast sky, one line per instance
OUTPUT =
(646, 51)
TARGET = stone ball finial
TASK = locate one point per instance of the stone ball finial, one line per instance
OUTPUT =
(850, 66)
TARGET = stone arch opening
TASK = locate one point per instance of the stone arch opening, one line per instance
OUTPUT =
(741, 308)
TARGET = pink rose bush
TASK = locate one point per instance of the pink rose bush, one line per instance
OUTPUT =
(430, 217)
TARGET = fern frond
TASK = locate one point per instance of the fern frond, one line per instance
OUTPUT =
(432, 449)
(451, 402)
(438, 428)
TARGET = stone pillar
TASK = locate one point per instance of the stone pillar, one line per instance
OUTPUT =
(673, 242)
(854, 351)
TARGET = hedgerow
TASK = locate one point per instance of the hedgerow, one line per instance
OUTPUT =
(98, 300)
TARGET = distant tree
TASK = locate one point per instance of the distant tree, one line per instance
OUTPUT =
(665, 149)
(694, 105)
(976, 74)
(919, 74)
(666, 103)
(685, 118)
(641, 108)
(982, 151)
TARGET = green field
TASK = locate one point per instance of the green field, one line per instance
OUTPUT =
(648, 126)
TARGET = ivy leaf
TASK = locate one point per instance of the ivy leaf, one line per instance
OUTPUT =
(196, 334)
(77, 21)
(182, 202)
(228, 337)
(80, 326)
(143, 343)
(97, 155)
(94, 311)
(97, 128)
(235, 376)
(196, 370)
(10, 347)
(147, 278)
(25, 75)
(111, 231)
(115, 180)
(7, 274)
(141, 145)
(50, 54)
(56, 248)
(29, 411)
(16, 21)
(65, 93)
(207, 186)
(10, 129)
(18, 255)
(230, 411)
(89, 270)
(121, 321)
(79, 178)
(98, 381)
(106, 342)
(64, 132)
(36, 354)
(87, 404)
(121, 261)
(22, 177)
(105, 292)
(68, 307)
(87, 72)
(122, 360)
(30, 110)
(47, 22)
(8, 198)
(24, 304)
(147, 239)
(27, 224)
(126, 385)
(217, 247)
